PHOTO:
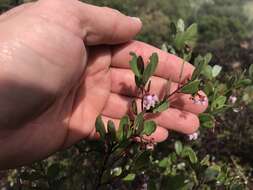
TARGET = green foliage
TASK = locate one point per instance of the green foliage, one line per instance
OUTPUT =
(142, 75)
(100, 128)
(149, 128)
(161, 107)
(191, 87)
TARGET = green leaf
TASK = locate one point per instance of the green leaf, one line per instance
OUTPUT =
(180, 25)
(187, 151)
(176, 182)
(164, 163)
(216, 70)
(142, 160)
(140, 64)
(134, 65)
(188, 37)
(178, 147)
(212, 172)
(151, 67)
(205, 161)
(244, 82)
(53, 171)
(207, 120)
(207, 71)
(199, 64)
(123, 128)
(138, 82)
(111, 130)
(100, 127)
(208, 88)
(218, 103)
(139, 123)
(116, 171)
(129, 177)
(149, 128)
(191, 88)
(162, 106)
(208, 57)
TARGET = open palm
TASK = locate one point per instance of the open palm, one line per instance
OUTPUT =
(57, 77)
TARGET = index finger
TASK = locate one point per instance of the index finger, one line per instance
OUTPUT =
(169, 66)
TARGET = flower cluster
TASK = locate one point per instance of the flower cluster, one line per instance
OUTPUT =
(193, 136)
(201, 100)
(149, 101)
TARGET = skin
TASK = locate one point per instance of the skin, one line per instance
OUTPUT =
(61, 66)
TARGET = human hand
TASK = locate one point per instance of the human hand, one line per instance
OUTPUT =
(56, 77)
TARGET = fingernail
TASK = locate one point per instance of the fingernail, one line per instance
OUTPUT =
(136, 19)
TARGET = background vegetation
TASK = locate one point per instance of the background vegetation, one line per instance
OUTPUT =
(225, 30)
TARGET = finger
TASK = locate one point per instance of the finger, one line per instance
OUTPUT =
(123, 83)
(15, 11)
(169, 66)
(97, 25)
(159, 135)
(172, 119)
(109, 26)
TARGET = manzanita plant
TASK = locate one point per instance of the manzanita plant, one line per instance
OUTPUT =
(127, 159)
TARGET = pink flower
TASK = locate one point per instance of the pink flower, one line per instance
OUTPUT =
(200, 101)
(150, 101)
(232, 99)
(193, 136)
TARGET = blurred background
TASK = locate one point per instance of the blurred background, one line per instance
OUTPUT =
(225, 30)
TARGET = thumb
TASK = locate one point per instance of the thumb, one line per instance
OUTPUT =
(104, 25)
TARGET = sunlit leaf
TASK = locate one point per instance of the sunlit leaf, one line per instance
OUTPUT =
(188, 37)
(151, 67)
(219, 102)
(178, 147)
(162, 106)
(205, 161)
(134, 65)
(207, 71)
(180, 25)
(216, 70)
(149, 128)
(187, 151)
(191, 88)
(129, 177)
